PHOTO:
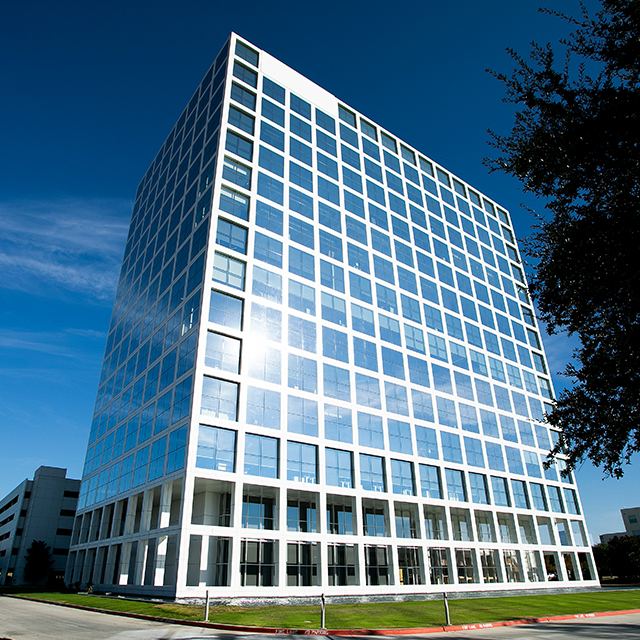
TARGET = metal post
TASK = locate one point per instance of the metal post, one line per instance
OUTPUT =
(206, 608)
(446, 610)
(322, 611)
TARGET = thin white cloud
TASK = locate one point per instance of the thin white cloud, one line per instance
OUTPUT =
(71, 244)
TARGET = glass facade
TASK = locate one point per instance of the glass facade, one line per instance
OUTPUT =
(369, 350)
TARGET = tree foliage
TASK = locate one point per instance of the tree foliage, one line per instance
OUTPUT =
(620, 557)
(574, 143)
(39, 562)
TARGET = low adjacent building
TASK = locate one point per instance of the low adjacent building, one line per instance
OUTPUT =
(38, 509)
(631, 519)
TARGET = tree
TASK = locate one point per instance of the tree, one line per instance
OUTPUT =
(620, 557)
(574, 144)
(39, 561)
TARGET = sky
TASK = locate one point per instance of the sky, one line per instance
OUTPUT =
(91, 89)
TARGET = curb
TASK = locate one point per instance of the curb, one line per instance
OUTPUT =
(335, 632)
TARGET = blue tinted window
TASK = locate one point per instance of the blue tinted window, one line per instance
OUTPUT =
(360, 287)
(244, 97)
(365, 354)
(350, 156)
(271, 161)
(273, 90)
(301, 232)
(368, 393)
(326, 143)
(386, 298)
(418, 371)
(356, 230)
(370, 430)
(337, 385)
(358, 258)
(349, 136)
(301, 263)
(300, 151)
(354, 204)
(300, 128)
(328, 190)
(331, 276)
(268, 217)
(271, 135)
(300, 106)
(362, 320)
(300, 203)
(300, 176)
(325, 121)
(393, 363)
(272, 112)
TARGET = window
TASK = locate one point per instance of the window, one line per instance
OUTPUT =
(362, 320)
(341, 561)
(236, 173)
(336, 383)
(266, 321)
(500, 489)
(302, 297)
(370, 431)
(228, 271)
(216, 449)
(339, 474)
(244, 122)
(302, 334)
(456, 489)
(365, 354)
(451, 449)
(427, 442)
(372, 475)
(333, 309)
(368, 391)
(225, 310)
(258, 563)
(301, 462)
(340, 513)
(393, 363)
(332, 276)
(302, 564)
(399, 436)
(263, 407)
(402, 477)
(264, 363)
(234, 203)
(222, 352)
(219, 398)
(303, 373)
(261, 457)
(267, 285)
(337, 424)
(302, 416)
(478, 486)
(430, 481)
(301, 511)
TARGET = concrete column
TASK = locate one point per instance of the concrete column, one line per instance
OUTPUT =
(123, 570)
(161, 558)
(165, 505)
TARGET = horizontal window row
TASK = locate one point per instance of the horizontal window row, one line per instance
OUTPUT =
(263, 509)
(217, 449)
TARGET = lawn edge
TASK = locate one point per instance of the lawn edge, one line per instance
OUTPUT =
(332, 632)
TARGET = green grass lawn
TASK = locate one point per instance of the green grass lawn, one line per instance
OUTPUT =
(373, 616)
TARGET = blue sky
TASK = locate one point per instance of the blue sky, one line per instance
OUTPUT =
(90, 90)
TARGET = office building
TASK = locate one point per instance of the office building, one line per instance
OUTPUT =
(631, 520)
(323, 371)
(40, 509)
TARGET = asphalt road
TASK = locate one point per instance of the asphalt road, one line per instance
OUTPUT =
(24, 620)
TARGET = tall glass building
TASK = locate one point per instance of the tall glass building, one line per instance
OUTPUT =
(323, 372)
